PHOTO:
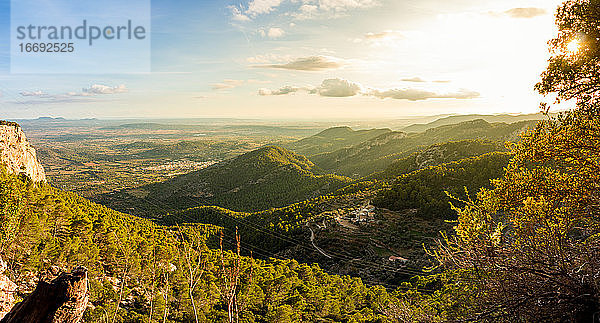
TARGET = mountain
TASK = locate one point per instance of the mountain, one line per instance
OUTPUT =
(258, 180)
(505, 118)
(134, 265)
(425, 189)
(438, 154)
(378, 153)
(139, 271)
(333, 139)
(17, 154)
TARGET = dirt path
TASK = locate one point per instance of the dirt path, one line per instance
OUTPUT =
(312, 240)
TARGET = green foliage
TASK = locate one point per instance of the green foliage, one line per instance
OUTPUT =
(142, 268)
(574, 74)
(439, 154)
(333, 139)
(532, 239)
(496, 118)
(258, 180)
(426, 189)
(377, 154)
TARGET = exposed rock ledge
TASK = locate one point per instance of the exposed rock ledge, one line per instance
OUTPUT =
(17, 154)
(56, 299)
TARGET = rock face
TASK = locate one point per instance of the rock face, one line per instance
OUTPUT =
(17, 154)
(62, 299)
(7, 291)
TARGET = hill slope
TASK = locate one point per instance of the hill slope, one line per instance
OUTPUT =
(134, 264)
(504, 118)
(258, 180)
(438, 154)
(425, 189)
(377, 154)
(333, 139)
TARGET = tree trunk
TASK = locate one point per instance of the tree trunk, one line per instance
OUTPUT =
(61, 300)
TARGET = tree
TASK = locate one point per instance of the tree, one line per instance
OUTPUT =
(529, 248)
(574, 66)
(191, 249)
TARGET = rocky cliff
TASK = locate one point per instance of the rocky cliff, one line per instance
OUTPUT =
(17, 154)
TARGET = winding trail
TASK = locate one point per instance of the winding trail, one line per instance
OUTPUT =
(312, 240)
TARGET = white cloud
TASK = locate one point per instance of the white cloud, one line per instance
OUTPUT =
(414, 80)
(343, 5)
(237, 14)
(269, 58)
(282, 91)
(259, 7)
(381, 38)
(275, 33)
(103, 89)
(313, 63)
(85, 95)
(338, 88)
(520, 13)
(526, 12)
(38, 93)
(418, 94)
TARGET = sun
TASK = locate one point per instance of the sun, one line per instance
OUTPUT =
(574, 46)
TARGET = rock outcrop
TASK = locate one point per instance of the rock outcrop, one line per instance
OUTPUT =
(58, 298)
(7, 291)
(17, 154)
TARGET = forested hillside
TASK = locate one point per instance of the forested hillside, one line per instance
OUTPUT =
(333, 139)
(503, 118)
(425, 189)
(377, 154)
(144, 268)
(261, 179)
(439, 154)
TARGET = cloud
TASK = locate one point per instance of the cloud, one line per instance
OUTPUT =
(338, 88)
(414, 80)
(380, 38)
(275, 33)
(383, 34)
(103, 89)
(526, 13)
(418, 94)
(227, 84)
(86, 94)
(313, 63)
(259, 7)
(282, 91)
(237, 14)
(34, 93)
(313, 9)
(344, 5)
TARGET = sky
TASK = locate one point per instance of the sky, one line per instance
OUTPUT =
(307, 59)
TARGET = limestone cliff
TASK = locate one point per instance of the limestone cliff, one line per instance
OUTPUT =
(17, 154)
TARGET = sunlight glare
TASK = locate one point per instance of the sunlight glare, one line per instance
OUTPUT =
(573, 46)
